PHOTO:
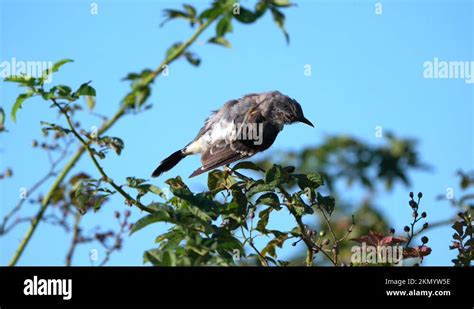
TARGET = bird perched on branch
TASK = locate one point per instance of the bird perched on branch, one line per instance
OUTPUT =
(240, 129)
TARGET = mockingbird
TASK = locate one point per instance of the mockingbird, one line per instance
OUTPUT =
(240, 129)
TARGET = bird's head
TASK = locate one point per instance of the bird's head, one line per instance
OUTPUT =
(286, 110)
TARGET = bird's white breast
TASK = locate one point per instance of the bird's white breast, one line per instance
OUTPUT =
(221, 132)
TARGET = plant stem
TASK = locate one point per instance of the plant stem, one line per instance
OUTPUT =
(261, 258)
(106, 178)
(44, 204)
(304, 234)
(74, 242)
(75, 158)
(335, 241)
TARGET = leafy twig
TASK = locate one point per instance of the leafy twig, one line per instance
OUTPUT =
(311, 245)
(107, 125)
(105, 177)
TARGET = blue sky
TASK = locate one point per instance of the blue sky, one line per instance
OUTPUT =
(367, 71)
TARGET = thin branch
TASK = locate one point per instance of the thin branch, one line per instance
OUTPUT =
(310, 244)
(75, 238)
(3, 227)
(262, 259)
(435, 225)
(416, 219)
(349, 231)
(335, 241)
(117, 245)
(106, 178)
(75, 158)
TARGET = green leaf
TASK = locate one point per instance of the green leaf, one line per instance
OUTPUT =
(316, 179)
(218, 180)
(276, 175)
(54, 127)
(2, 119)
(259, 186)
(53, 69)
(19, 101)
(224, 26)
(247, 165)
(162, 213)
(90, 102)
(326, 202)
(23, 80)
(264, 216)
(85, 89)
(229, 242)
(169, 258)
(154, 189)
(220, 41)
(151, 256)
(239, 201)
(215, 180)
(173, 14)
(210, 13)
(190, 10)
(63, 90)
(59, 64)
(270, 199)
(137, 97)
(192, 58)
(260, 8)
(99, 200)
(282, 3)
(114, 143)
(301, 207)
(279, 19)
(133, 182)
(271, 246)
(308, 183)
(180, 190)
(245, 16)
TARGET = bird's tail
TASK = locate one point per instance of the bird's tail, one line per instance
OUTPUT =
(168, 163)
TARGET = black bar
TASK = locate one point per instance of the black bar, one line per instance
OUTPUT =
(234, 285)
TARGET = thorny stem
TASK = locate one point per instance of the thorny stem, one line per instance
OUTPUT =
(75, 158)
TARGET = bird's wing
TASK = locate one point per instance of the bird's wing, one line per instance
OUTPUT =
(225, 151)
(230, 153)
(214, 118)
(232, 110)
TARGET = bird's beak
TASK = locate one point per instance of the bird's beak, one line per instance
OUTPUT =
(304, 120)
